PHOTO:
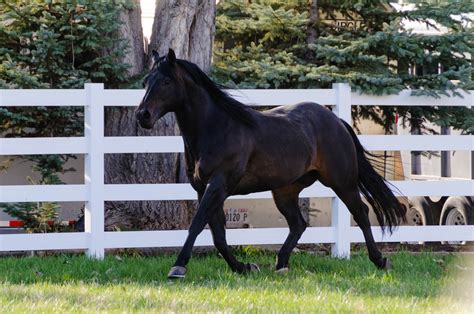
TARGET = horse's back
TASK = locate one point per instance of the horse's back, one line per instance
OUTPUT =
(306, 122)
(303, 114)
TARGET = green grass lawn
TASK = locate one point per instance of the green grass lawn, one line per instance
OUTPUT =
(418, 283)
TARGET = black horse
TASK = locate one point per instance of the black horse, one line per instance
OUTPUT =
(232, 149)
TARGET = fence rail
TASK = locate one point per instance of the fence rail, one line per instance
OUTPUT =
(94, 192)
(181, 191)
(173, 144)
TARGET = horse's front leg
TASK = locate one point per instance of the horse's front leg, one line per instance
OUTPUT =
(213, 197)
(217, 224)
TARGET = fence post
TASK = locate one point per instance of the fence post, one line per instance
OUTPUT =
(341, 218)
(94, 169)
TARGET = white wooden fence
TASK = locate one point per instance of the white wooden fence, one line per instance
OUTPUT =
(94, 192)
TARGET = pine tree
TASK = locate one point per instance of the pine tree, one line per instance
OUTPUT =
(55, 44)
(264, 44)
(63, 44)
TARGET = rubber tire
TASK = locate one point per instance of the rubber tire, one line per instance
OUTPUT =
(463, 204)
(424, 209)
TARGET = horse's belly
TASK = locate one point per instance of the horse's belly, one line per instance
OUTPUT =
(268, 178)
(252, 185)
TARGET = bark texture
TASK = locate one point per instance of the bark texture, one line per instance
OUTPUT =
(131, 29)
(312, 32)
(143, 169)
(188, 28)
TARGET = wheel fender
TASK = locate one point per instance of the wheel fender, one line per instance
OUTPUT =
(436, 205)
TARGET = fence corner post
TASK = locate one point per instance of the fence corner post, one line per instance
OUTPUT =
(341, 218)
(94, 169)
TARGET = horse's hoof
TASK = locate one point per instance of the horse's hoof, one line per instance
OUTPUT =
(388, 265)
(283, 270)
(385, 264)
(177, 272)
(251, 267)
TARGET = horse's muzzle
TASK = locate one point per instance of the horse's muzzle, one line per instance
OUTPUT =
(144, 118)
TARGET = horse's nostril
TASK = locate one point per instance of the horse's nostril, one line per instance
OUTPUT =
(143, 114)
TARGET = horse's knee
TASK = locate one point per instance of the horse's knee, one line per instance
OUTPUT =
(193, 232)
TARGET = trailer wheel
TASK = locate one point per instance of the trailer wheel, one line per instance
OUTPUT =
(457, 211)
(419, 212)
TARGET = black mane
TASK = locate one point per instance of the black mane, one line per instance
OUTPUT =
(232, 106)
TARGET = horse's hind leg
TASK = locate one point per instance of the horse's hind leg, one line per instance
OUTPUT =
(360, 212)
(286, 200)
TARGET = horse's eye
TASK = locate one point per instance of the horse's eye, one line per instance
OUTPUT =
(167, 81)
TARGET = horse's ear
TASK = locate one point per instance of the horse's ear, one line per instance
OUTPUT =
(171, 56)
(156, 55)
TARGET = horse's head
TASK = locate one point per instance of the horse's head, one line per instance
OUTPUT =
(162, 90)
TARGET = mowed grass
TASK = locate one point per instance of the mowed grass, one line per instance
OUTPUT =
(418, 283)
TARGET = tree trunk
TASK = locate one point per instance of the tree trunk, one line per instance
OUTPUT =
(143, 169)
(131, 29)
(188, 28)
(312, 31)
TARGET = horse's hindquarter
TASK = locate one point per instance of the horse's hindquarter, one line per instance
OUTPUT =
(335, 160)
(284, 149)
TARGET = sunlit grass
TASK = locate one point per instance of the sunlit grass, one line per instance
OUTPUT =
(418, 283)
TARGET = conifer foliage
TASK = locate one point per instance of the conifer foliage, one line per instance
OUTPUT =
(55, 44)
(59, 44)
(265, 44)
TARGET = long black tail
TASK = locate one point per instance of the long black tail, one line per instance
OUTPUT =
(390, 213)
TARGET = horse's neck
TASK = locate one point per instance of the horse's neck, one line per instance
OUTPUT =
(193, 120)
(189, 129)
